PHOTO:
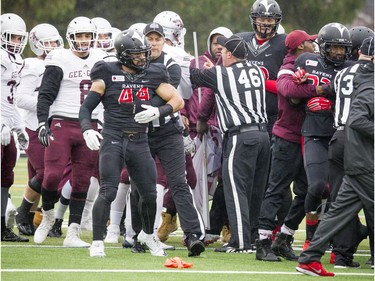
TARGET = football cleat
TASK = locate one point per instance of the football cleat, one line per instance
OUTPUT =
(9, 236)
(56, 229)
(113, 234)
(152, 243)
(45, 226)
(97, 249)
(72, 239)
(264, 251)
(194, 245)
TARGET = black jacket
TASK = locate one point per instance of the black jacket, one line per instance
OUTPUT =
(359, 146)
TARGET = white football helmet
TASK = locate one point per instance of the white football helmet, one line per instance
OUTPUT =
(173, 26)
(280, 29)
(139, 26)
(104, 35)
(44, 38)
(11, 25)
(81, 25)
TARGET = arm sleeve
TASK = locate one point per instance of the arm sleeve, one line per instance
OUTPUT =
(48, 91)
(89, 104)
(203, 78)
(174, 75)
(271, 86)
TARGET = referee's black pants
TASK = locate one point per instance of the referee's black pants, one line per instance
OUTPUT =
(245, 170)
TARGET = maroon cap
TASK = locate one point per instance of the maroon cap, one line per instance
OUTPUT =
(297, 37)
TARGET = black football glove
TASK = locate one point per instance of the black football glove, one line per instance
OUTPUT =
(44, 134)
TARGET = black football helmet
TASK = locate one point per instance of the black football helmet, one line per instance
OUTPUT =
(334, 34)
(130, 42)
(265, 9)
(357, 35)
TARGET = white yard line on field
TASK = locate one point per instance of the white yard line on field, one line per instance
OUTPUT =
(168, 271)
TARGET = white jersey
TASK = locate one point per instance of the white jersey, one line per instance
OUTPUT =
(76, 82)
(28, 90)
(183, 59)
(11, 67)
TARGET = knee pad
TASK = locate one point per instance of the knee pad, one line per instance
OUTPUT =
(35, 185)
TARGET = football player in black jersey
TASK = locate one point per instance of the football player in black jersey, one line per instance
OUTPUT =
(317, 129)
(125, 88)
(166, 142)
(266, 50)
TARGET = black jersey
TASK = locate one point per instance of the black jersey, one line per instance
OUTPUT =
(239, 92)
(321, 123)
(125, 93)
(269, 57)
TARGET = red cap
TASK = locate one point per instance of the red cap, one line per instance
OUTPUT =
(297, 37)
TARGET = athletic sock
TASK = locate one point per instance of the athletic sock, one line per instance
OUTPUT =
(311, 226)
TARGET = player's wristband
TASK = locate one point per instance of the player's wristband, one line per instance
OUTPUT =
(165, 110)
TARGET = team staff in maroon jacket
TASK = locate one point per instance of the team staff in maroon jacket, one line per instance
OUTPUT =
(286, 160)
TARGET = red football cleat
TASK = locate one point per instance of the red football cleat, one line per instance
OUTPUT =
(313, 269)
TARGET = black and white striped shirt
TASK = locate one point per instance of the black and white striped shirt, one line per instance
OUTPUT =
(239, 91)
(343, 87)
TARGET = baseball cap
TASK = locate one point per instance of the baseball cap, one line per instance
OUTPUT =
(153, 27)
(234, 44)
(367, 47)
(297, 37)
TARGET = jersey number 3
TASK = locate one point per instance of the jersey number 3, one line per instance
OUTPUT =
(126, 95)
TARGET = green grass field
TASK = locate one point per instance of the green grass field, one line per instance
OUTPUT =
(50, 261)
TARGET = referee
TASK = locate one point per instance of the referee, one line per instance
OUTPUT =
(240, 97)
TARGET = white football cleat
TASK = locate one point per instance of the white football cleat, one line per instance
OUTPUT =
(152, 243)
(113, 234)
(72, 239)
(45, 226)
(97, 249)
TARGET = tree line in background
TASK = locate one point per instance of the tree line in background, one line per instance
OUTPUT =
(200, 16)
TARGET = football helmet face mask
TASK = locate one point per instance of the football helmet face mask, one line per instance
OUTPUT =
(173, 26)
(268, 9)
(357, 35)
(104, 35)
(81, 25)
(13, 27)
(334, 34)
(133, 50)
(44, 38)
